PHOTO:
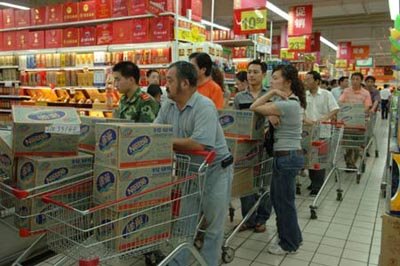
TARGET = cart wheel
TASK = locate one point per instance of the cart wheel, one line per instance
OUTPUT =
(298, 190)
(198, 243)
(367, 154)
(228, 254)
(376, 153)
(231, 214)
(358, 178)
(339, 196)
(313, 214)
(153, 258)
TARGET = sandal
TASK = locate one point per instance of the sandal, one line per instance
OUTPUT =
(245, 227)
(260, 228)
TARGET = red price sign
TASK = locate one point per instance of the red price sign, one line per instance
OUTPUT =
(250, 21)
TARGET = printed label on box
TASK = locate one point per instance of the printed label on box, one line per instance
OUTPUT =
(104, 34)
(103, 9)
(87, 10)
(54, 14)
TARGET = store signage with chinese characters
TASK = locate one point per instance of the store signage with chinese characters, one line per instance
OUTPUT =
(297, 43)
(239, 4)
(341, 63)
(300, 20)
(286, 55)
(344, 50)
(315, 42)
(365, 62)
(263, 45)
(360, 52)
(250, 21)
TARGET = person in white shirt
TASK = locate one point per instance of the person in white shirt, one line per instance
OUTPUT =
(321, 106)
(343, 84)
(385, 97)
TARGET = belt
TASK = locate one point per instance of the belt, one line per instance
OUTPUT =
(286, 153)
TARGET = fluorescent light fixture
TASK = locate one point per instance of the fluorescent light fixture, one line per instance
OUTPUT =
(14, 6)
(394, 8)
(208, 23)
(277, 10)
(270, 6)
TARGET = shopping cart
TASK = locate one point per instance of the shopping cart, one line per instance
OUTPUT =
(94, 234)
(256, 181)
(23, 210)
(358, 136)
(321, 151)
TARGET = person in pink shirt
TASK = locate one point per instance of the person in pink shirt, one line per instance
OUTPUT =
(355, 95)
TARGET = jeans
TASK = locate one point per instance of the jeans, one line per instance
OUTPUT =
(283, 191)
(262, 213)
(384, 108)
(214, 206)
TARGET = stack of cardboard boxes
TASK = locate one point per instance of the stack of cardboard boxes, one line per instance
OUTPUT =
(132, 159)
(42, 148)
(244, 132)
(390, 244)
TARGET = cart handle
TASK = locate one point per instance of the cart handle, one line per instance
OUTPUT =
(209, 156)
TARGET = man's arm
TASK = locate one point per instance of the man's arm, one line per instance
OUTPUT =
(187, 144)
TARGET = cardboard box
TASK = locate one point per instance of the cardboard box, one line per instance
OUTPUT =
(111, 184)
(87, 10)
(117, 231)
(54, 38)
(87, 36)
(166, 5)
(103, 9)
(30, 124)
(9, 40)
(54, 14)
(120, 8)
(70, 12)
(30, 214)
(352, 115)
(1, 19)
(122, 31)
(246, 153)
(104, 34)
(140, 30)
(243, 182)
(38, 16)
(37, 171)
(310, 133)
(161, 29)
(71, 37)
(36, 39)
(390, 244)
(388, 259)
(8, 18)
(196, 6)
(22, 40)
(141, 7)
(133, 145)
(22, 18)
(7, 161)
(242, 124)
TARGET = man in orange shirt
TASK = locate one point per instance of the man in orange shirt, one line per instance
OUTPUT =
(205, 85)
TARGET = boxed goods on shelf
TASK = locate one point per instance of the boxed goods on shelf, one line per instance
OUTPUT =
(87, 36)
(245, 152)
(22, 40)
(87, 10)
(103, 9)
(9, 40)
(30, 214)
(110, 184)
(8, 18)
(162, 29)
(7, 162)
(38, 171)
(36, 39)
(38, 16)
(104, 33)
(71, 37)
(119, 8)
(54, 38)
(140, 30)
(22, 18)
(54, 14)
(133, 145)
(122, 31)
(8, 60)
(242, 124)
(34, 131)
(70, 12)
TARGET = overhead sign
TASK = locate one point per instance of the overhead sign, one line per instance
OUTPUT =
(263, 45)
(344, 50)
(250, 21)
(276, 45)
(315, 43)
(300, 20)
(286, 55)
(297, 43)
(239, 4)
(360, 52)
(341, 63)
(365, 62)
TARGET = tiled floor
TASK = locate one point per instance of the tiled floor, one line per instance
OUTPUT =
(346, 233)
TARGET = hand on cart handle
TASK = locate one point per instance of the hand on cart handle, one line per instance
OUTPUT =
(209, 156)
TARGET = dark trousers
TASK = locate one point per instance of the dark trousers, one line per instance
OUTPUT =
(384, 108)
(317, 178)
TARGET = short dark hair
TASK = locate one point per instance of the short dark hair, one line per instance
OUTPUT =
(203, 60)
(127, 70)
(242, 76)
(185, 70)
(341, 79)
(333, 82)
(357, 74)
(315, 74)
(324, 81)
(260, 63)
(386, 86)
(154, 90)
(149, 72)
(370, 78)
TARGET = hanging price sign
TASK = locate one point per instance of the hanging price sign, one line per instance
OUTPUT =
(297, 43)
(341, 63)
(286, 55)
(250, 21)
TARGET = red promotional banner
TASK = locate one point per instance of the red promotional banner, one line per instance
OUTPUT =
(250, 21)
(284, 36)
(360, 52)
(300, 20)
(276, 45)
(315, 42)
(344, 50)
(239, 4)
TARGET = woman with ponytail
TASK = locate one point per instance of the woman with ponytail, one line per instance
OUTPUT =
(286, 100)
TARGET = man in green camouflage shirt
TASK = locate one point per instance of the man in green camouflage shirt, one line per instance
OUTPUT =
(134, 104)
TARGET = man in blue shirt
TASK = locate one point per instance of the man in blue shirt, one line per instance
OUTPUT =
(196, 127)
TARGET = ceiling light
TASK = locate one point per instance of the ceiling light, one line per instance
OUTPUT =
(14, 6)
(208, 23)
(394, 8)
(328, 43)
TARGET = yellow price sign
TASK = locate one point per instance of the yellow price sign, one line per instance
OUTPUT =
(341, 63)
(253, 20)
(297, 43)
(285, 54)
(184, 35)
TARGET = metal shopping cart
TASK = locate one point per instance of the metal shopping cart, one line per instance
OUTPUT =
(163, 218)
(321, 149)
(358, 137)
(24, 212)
(250, 180)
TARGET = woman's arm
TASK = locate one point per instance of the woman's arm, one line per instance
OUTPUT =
(266, 108)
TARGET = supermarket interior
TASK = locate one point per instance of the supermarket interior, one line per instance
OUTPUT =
(199, 132)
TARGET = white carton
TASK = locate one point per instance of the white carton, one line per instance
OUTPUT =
(133, 145)
(242, 124)
(38, 171)
(110, 184)
(352, 115)
(30, 214)
(45, 131)
(7, 161)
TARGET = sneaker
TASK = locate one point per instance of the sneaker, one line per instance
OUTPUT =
(277, 250)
